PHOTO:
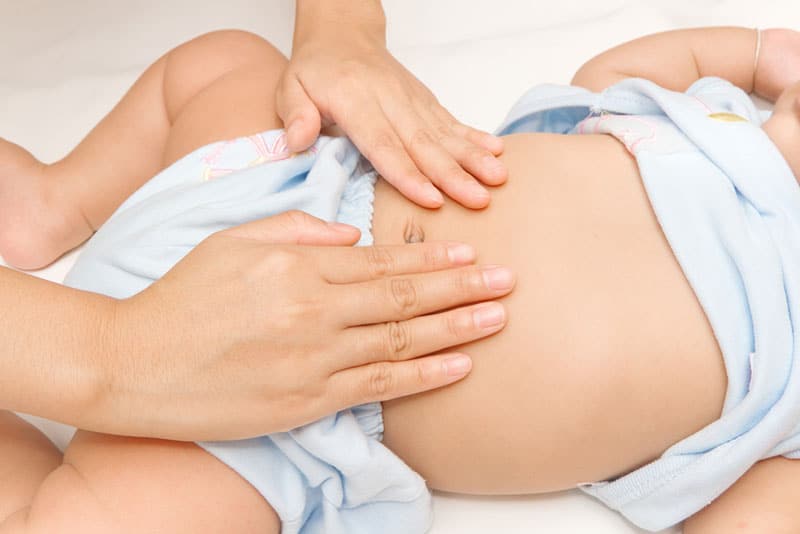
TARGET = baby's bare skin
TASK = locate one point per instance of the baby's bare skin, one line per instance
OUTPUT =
(608, 358)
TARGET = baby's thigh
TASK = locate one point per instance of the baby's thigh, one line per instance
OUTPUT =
(117, 484)
(238, 103)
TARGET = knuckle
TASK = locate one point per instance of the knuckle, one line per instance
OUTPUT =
(403, 294)
(381, 380)
(454, 170)
(444, 131)
(383, 142)
(380, 261)
(298, 313)
(429, 101)
(421, 375)
(455, 325)
(469, 282)
(456, 127)
(282, 261)
(476, 153)
(435, 255)
(397, 340)
(421, 138)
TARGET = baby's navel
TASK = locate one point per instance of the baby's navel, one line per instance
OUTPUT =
(413, 232)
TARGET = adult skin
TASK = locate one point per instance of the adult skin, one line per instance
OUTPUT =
(200, 356)
(350, 78)
(183, 364)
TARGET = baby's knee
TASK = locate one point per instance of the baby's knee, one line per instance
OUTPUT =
(197, 64)
(230, 49)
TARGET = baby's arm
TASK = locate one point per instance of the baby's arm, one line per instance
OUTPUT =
(676, 59)
(764, 501)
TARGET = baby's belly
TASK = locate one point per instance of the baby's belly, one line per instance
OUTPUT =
(607, 358)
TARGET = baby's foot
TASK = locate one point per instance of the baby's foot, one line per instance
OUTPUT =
(37, 221)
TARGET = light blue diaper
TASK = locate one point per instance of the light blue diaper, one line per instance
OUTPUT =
(333, 476)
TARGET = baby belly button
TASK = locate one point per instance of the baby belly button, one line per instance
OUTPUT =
(413, 233)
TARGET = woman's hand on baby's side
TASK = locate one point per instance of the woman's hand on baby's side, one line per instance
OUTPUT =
(349, 78)
(778, 63)
(252, 334)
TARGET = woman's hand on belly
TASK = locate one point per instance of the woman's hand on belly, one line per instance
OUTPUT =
(278, 335)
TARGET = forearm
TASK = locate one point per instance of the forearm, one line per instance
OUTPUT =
(676, 59)
(51, 347)
(315, 16)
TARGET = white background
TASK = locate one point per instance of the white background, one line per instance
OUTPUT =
(65, 64)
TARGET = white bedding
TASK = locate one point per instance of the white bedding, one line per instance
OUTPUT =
(64, 64)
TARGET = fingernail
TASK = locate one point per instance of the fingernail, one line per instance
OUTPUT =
(498, 278)
(489, 315)
(457, 365)
(433, 195)
(460, 253)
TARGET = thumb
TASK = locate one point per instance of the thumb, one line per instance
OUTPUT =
(299, 114)
(296, 228)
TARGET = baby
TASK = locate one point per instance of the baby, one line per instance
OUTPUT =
(655, 230)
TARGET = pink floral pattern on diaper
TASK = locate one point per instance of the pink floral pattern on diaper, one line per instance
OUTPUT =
(263, 151)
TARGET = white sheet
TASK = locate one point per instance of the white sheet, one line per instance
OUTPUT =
(64, 64)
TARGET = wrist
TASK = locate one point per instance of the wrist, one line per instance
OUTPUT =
(776, 66)
(92, 368)
(131, 337)
(65, 375)
(330, 20)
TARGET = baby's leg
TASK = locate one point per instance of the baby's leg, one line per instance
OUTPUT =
(46, 210)
(26, 458)
(123, 485)
(113, 484)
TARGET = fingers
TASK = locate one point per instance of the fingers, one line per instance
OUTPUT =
(427, 144)
(476, 160)
(384, 381)
(417, 148)
(404, 340)
(403, 297)
(370, 263)
(492, 143)
(475, 151)
(298, 228)
(299, 114)
(374, 135)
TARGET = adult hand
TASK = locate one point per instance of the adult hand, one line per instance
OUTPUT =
(252, 334)
(341, 72)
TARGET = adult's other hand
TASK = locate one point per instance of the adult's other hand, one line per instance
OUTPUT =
(252, 334)
(341, 72)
